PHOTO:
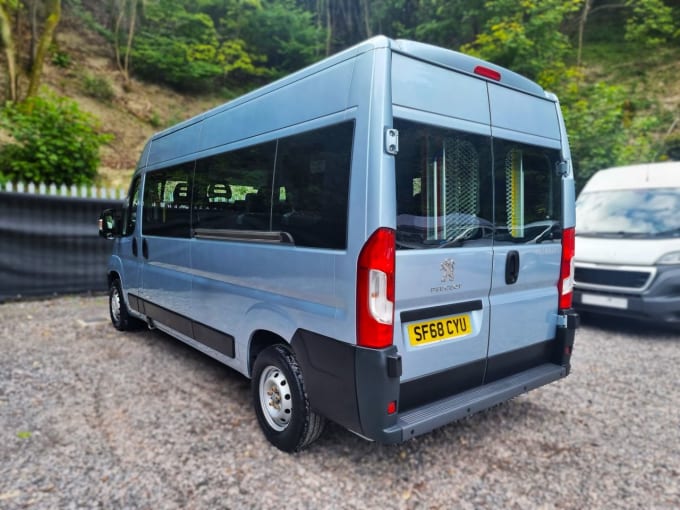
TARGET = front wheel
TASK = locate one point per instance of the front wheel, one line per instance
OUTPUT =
(118, 310)
(280, 401)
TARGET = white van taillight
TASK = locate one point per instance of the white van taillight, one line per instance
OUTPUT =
(565, 286)
(375, 290)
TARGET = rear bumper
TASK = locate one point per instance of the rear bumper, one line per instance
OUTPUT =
(354, 386)
(424, 419)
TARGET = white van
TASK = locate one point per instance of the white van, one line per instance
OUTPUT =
(628, 243)
(383, 239)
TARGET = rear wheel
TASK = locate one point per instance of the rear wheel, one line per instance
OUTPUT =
(120, 317)
(280, 401)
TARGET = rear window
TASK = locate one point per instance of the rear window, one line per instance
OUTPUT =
(644, 213)
(456, 188)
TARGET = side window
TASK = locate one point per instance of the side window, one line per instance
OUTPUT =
(528, 207)
(312, 186)
(167, 202)
(444, 195)
(130, 208)
(233, 190)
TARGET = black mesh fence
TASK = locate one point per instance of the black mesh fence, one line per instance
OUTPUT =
(50, 245)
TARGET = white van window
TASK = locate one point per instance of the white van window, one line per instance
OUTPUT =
(651, 212)
(444, 195)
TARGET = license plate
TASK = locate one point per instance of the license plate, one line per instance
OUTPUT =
(606, 301)
(455, 326)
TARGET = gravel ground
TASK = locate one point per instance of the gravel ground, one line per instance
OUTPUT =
(94, 418)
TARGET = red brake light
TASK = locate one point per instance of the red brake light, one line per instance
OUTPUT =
(565, 286)
(488, 73)
(375, 290)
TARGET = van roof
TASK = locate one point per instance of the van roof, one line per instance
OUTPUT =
(647, 175)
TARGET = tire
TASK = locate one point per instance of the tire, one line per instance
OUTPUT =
(120, 316)
(280, 401)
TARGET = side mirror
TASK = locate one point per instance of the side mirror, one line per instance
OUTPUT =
(110, 223)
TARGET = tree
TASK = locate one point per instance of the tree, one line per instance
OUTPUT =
(7, 10)
(10, 11)
(125, 20)
(53, 15)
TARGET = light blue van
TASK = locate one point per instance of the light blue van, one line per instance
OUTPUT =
(384, 239)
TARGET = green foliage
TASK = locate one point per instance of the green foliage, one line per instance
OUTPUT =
(98, 87)
(603, 128)
(525, 35)
(650, 23)
(284, 35)
(54, 142)
(61, 59)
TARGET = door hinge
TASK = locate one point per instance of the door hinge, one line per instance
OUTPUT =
(391, 141)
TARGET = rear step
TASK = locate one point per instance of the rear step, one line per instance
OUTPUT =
(431, 416)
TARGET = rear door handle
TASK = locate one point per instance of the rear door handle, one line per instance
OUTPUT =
(134, 246)
(145, 249)
(512, 267)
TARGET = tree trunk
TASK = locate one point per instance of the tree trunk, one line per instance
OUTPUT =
(581, 29)
(10, 53)
(131, 34)
(53, 16)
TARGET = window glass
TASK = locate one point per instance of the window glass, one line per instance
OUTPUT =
(639, 213)
(130, 208)
(233, 190)
(312, 186)
(444, 195)
(528, 207)
(167, 202)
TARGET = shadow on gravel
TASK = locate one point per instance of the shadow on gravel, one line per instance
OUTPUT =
(645, 330)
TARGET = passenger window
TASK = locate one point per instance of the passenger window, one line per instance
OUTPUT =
(130, 208)
(444, 195)
(232, 190)
(312, 186)
(167, 202)
(528, 207)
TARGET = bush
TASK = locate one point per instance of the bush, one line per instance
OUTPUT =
(53, 142)
(99, 88)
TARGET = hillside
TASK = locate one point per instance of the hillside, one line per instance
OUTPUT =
(131, 115)
(134, 113)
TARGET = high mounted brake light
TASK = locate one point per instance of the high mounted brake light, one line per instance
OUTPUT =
(487, 73)
(375, 290)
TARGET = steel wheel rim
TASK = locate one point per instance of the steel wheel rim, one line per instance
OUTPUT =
(276, 400)
(115, 305)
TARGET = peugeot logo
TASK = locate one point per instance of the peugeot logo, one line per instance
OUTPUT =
(447, 267)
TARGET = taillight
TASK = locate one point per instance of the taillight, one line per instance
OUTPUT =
(375, 290)
(565, 286)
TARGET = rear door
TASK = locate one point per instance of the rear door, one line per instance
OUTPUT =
(444, 231)
(527, 240)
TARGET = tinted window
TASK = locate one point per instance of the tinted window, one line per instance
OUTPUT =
(312, 186)
(528, 207)
(130, 208)
(167, 202)
(444, 195)
(233, 190)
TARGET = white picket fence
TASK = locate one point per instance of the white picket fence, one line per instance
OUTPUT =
(63, 190)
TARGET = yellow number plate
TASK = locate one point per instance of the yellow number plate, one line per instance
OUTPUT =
(455, 326)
